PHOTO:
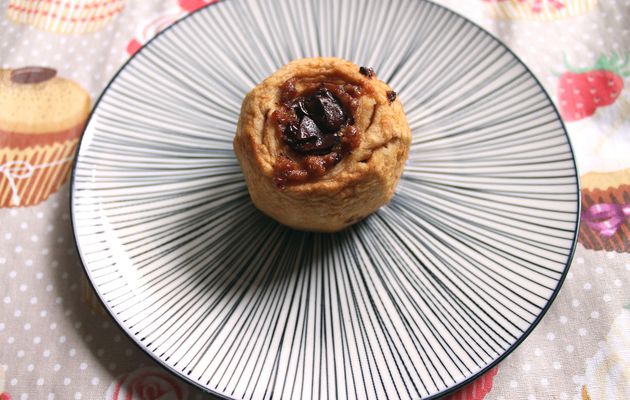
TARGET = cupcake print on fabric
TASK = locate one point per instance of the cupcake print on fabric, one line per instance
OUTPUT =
(154, 25)
(538, 9)
(41, 119)
(608, 372)
(151, 27)
(147, 384)
(606, 211)
(65, 16)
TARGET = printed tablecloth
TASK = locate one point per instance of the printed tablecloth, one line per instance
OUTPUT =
(56, 342)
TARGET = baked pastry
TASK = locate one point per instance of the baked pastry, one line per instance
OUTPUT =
(606, 211)
(41, 119)
(67, 16)
(322, 144)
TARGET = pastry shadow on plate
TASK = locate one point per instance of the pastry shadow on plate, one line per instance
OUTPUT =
(252, 249)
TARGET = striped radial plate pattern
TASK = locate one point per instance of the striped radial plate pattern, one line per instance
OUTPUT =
(420, 297)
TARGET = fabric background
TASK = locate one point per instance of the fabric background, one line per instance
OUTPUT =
(56, 342)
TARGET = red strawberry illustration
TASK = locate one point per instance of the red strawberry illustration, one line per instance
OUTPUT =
(192, 5)
(582, 90)
(5, 396)
(477, 389)
(132, 48)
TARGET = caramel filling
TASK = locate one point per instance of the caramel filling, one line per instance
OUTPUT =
(316, 129)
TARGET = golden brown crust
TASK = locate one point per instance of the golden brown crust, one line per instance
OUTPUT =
(361, 183)
(54, 105)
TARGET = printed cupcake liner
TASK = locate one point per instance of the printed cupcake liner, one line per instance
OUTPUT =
(29, 176)
(65, 16)
(538, 9)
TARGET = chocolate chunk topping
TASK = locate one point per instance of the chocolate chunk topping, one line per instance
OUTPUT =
(322, 145)
(326, 110)
(391, 96)
(309, 130)
(320, 117)
(369, 72)
(300, 108)
(32, 75)
(307, 138)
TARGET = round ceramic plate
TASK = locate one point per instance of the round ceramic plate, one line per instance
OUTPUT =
(416, 300)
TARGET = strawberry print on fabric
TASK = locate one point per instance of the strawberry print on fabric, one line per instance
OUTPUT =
(192, 5)
(3, 395)
(478, 389)
(581, 91)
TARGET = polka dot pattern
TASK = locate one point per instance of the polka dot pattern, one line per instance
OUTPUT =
(58, 343)
(54, 343)
(572, 331)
